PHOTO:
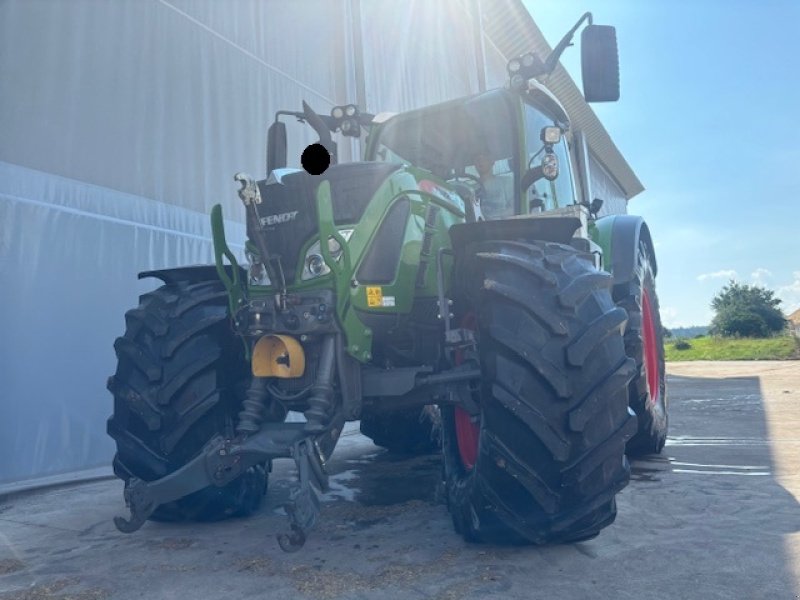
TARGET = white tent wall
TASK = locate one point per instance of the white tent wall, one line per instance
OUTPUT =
(70, 254)
(122, 124)
(495, 65)
(163, 100)
(401, 73)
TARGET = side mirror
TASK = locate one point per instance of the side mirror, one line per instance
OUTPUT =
(600, 63)
(276, 146)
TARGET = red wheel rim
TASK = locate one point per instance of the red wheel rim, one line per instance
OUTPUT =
(650, 343)
(467, 427)
(467, 434)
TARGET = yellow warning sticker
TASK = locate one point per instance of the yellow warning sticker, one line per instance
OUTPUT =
(374, 296)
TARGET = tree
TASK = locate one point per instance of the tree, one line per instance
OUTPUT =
(747, 311)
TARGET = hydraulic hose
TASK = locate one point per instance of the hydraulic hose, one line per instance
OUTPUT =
(321, 396)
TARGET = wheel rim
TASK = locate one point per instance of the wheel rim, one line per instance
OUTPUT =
(650, 343)
(468, 428)
(467, 434)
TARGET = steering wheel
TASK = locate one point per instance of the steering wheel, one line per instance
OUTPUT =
(479, 193)
(476, 179)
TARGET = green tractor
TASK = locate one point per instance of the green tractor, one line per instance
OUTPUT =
(449, 290)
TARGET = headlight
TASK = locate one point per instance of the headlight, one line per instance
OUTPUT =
(257, 272)
(350, 110)
(550, 167)
(314, 265)
(337, 112)
(514, 66)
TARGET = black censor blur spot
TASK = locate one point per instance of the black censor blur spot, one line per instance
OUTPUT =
(315, 159)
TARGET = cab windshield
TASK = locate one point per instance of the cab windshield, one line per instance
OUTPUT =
(473, 137)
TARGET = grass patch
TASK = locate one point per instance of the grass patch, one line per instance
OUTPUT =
(717, 348)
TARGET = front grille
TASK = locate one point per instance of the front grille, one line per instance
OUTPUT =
(285, 236)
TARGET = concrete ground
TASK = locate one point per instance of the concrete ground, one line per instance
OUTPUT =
(715, 516)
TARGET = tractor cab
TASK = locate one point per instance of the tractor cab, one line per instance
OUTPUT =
(508, 148)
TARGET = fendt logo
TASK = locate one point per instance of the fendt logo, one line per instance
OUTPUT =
(279, 218)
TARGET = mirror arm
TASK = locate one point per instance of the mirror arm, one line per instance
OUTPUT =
(566, 41)
(323, 131)
(532, 176)
(291, 113)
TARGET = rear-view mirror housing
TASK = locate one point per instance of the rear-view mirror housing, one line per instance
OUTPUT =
(600, 63)
(276, 146)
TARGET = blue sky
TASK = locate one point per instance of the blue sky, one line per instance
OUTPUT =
(709, 119)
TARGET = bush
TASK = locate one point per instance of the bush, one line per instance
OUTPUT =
(740, 323)
(746, 311)
(682, 345)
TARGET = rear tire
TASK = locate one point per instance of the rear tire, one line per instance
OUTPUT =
(647, 390)
(410, 431)
(550, 441)
(179, 382)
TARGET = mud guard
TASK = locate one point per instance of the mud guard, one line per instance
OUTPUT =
(525, 229)
(619, 237)
(192, 274)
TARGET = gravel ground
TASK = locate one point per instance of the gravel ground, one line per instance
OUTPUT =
(715, 516)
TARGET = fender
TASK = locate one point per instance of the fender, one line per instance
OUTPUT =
(531, 227)
(192, 274)
(619, 237)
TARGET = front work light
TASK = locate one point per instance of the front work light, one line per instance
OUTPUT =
(523, 68)
(349, 127)
(347, 117)
(551, 135)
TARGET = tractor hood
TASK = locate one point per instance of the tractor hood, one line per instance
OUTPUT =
(288, 210)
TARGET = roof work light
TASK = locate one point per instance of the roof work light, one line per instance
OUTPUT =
(348, 119)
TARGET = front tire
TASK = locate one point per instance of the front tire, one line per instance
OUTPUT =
(544, 457)
(179, 382)
(644, 342)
